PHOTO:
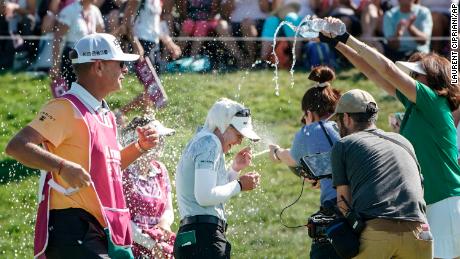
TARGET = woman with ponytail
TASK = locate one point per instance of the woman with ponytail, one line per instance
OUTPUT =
(316, 135)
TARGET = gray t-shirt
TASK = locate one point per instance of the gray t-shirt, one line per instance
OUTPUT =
(204, 151)
(383, 177)
(311, 139)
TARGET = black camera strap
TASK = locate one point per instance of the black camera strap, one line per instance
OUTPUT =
(325, 133)
(404, 147)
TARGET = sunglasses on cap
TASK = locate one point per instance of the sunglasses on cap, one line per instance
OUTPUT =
(243, 113)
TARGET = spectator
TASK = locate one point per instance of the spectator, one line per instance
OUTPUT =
(291, 11)
(147, 189)
(316, 136)
(203, 184)
(440, 14)
(150, 30)
(76, 20)
(6, 46)
(372, 21)
(408, 30)
(17, 18)
(246, 17)
(345, 10)
(424, 88)
(49, 18)
(110, 11)
(200, 21)
(81, 191)
(147, 33)
(377, 173)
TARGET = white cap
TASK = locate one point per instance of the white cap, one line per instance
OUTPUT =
(100, 46)
(226, 112)
(407, 67)
(161, 129)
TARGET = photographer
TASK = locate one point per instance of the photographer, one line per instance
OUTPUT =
(317, 135)
(377, 174)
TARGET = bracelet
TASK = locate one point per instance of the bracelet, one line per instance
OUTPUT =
(275, 152)
(60, 166)
(139, 148)
(241, 186)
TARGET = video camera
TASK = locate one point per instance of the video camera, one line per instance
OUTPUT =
(319, 222)
(314, 166)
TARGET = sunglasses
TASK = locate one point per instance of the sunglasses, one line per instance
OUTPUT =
(243, 113)
(122, 64)
(413, 74)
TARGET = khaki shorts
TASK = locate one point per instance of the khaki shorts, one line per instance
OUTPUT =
(384, 239)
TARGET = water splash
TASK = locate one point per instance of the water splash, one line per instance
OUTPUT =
(277, 61)
(297, 29)
(261, 153)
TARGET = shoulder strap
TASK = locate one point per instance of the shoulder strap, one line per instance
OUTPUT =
(403, 146)
(325, 132)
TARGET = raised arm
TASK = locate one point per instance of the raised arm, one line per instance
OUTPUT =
(147, 139)
(387, 69)
(361, 64)
(61, 31)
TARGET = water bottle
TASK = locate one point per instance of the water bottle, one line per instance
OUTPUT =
(426, 233)
(311, 28)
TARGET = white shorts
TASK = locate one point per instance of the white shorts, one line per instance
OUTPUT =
(444, 219)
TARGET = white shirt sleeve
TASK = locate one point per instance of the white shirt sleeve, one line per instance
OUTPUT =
(68, 15)
(232, 174)
(207, 193)
(141, 238)
(98, 16)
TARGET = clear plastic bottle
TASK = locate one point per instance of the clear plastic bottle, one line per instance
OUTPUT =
(311, 28)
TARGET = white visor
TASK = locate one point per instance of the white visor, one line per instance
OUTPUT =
(244, 126)
(161, 129)
(407, 67)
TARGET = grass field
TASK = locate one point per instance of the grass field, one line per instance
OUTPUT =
(255, 229)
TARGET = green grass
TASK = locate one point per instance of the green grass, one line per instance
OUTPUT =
(255, 230)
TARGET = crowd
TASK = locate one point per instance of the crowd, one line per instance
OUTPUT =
(109, 196)
(406, 27)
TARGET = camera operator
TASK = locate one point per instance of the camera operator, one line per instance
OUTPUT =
(317, 135)
(376, 172)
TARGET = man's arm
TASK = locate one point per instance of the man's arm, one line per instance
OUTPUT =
(61, 31)
(24, 148)
(343, 193)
